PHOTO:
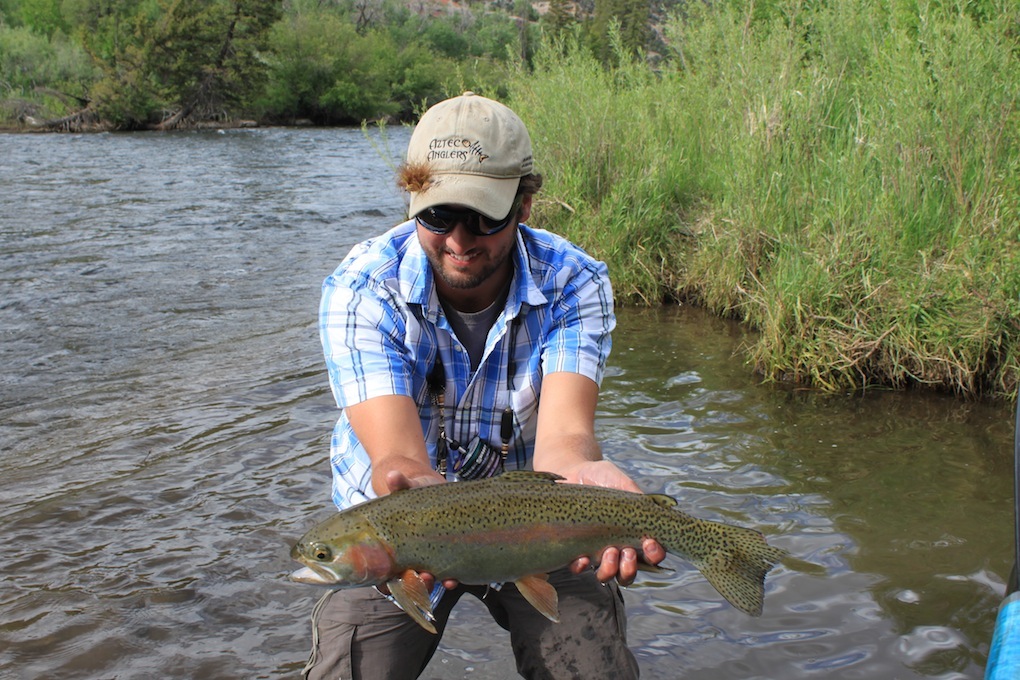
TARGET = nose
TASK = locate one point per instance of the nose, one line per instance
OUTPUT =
(461, 236)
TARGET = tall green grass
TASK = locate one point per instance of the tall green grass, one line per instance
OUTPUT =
(844, 178)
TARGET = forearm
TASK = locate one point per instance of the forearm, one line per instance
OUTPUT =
(389, 429)
(565, 441)
(565, 444)
(562, 451)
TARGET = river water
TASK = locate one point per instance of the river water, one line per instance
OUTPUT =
(165, 420)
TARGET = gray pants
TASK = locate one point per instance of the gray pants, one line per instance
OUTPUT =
(358, 634)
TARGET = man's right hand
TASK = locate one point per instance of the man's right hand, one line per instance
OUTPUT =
(397, 480)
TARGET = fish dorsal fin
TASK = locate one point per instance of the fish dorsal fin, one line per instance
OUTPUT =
(528, 476)
(413, 597)
(663, 500)
(541, 595)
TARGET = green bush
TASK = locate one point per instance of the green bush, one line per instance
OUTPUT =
(41, 76)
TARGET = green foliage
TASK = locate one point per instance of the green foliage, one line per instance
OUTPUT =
(43, 16)
(39, 75)
(324, 70)
(205, 55)
(842, 176)
(173, 61)
(620, 24)
(617, 174)
(191, 58)
(29, 59)
(560, 18)
(445, 39)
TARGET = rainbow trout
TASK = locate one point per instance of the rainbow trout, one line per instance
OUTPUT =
(518, 527)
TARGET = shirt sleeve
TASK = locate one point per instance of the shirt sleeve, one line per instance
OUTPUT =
(580, 334)
(362, 333)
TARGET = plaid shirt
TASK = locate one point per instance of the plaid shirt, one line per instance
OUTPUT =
(382, 327)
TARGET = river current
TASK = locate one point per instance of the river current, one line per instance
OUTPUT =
(165, 421)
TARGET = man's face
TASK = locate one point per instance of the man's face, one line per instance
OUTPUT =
(466, 262)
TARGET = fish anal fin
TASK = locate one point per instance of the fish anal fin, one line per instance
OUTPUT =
(540, 594)
(650, 568)
(413, 597)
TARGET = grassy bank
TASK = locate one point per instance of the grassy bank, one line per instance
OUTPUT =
(845, 179)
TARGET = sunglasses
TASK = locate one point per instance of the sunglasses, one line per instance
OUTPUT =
(442, 220)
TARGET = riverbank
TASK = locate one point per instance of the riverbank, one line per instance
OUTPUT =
(845, 182)
(75, 124)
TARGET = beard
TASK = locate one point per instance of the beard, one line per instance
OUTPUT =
(459, 279)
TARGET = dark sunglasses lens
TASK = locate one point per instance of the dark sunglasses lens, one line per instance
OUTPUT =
(440, 220)
(487, 226)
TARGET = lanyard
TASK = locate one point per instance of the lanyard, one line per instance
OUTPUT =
(478, 459)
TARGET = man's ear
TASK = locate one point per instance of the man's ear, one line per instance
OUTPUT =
(525, 212)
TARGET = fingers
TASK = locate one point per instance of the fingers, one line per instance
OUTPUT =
(619, 564)
(580, 564)
(430, 581)
(622, 564)
(653, 552)
(609, 566)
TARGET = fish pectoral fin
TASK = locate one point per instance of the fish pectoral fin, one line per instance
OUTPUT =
(413, 597)
(541, 595)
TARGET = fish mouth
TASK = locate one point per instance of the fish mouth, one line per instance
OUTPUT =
(314, 574)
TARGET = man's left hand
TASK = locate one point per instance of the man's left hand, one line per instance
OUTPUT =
(621, 564)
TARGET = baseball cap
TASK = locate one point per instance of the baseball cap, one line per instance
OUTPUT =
(476, 150)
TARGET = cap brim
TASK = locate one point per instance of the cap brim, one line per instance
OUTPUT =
(487, 195)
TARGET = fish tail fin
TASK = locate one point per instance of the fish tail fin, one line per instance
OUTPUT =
(735, 560)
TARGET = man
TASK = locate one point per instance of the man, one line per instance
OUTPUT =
(459, 344)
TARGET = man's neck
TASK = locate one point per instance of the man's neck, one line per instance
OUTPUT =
(470, 300)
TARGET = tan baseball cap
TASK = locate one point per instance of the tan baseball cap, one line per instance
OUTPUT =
(476, 149)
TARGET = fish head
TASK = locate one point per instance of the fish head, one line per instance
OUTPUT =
(345, 556)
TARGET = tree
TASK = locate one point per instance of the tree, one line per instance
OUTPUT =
(43, 16)
(632, 17)
(206, 55)
(560, 17)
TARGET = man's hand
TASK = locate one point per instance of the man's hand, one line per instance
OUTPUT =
(398, 481)
(565, 444)
(621, 564)
(614, 562)
(599, 473)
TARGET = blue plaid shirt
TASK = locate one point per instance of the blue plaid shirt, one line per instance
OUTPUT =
(382, 328)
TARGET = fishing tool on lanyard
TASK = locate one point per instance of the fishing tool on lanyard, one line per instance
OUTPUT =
(478, 459)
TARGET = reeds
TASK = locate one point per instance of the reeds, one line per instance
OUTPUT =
(845, 179)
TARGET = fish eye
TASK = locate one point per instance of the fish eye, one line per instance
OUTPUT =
(321, 552)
